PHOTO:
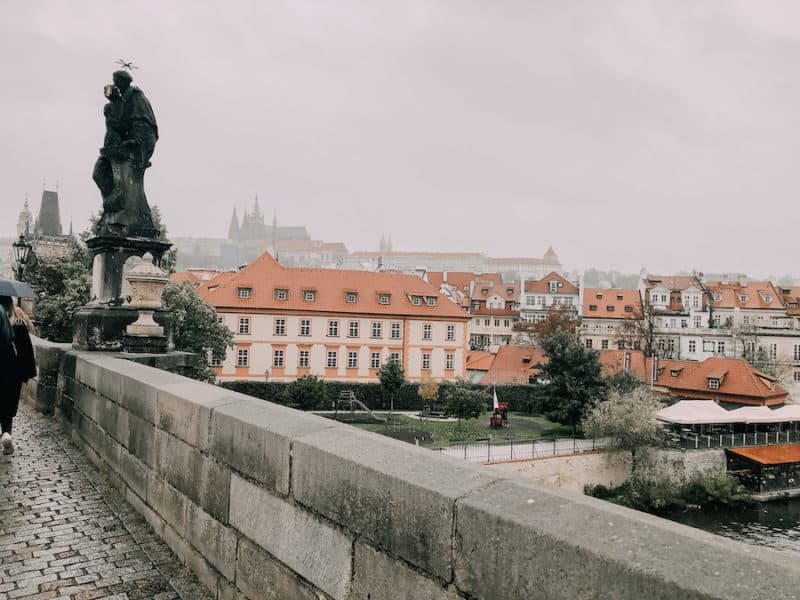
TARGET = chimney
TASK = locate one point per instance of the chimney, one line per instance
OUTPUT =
(743, 280)
(444, 276)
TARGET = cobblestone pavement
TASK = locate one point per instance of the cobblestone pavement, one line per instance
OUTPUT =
(67, 534)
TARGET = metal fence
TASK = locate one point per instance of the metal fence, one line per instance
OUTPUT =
(735, 440)
(503, 450)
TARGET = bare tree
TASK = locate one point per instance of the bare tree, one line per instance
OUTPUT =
(558, 318)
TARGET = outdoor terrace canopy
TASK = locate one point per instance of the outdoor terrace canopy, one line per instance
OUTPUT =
(708, 412)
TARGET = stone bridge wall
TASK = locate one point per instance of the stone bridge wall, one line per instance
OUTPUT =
(266, 502)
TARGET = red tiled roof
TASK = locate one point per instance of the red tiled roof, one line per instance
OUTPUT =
(264, 276)
(460, 279)
(611, 304)
(739, 381)
(672, 282)
(613, 362)
(755, 294)
(542, 286)
(485, 289)
(184, 277)
(479, 361)
(515, 364)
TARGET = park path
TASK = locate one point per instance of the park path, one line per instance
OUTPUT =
(67, 534)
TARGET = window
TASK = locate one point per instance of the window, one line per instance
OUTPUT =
(277, 359)
(768, 298)
(242, 357)
(604, 344)
(395, 357)
(673, 322)
(487, 322)
(426, 360)
(497, 322)
(220, 320)
(244, 325)
(628, 308)
(215, 361)
(431, 301)
(280, 326)
(451, 333)
(796, 375)
(530, 300)
(506, 323)
(743, 298)
(542, 300)
(695, 302)
(664, 298)
(773, 351)
(384, 298)
(305, 327)
(708, 345)
(376, 329)
(661, 345)
(281, 294)
(684, 324)
(568, 300)
(621, 344)
(245, 292)
(610, 308)
(713, 383)
(589, 343)
(395, 331)
(416, 300)
(309, 295)
(333, 328)
(797, 352)
(302, 359)
(721, 347)
(350, 297)
(671, 344)
(449, 361)
(352, 330)
(692, 346)
(332, 359)
(426, 331)
(352, 360)
(698, 321)
(375, 360)
(592, 307)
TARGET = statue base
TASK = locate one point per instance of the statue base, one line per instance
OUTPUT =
(103, 328)
(110, 257)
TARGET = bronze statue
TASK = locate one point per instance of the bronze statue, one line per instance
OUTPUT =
(131, 135)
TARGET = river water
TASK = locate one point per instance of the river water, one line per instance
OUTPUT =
(772, 524)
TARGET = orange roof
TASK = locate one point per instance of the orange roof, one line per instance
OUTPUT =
(613, 362)
(214, 282)
(459, 279)
(739, 381)
(484, 289)
(479, 361)
(542, 286)
(264, 276)
(791, 298)
(611, 304)
(185, 277)
(515, 364)
(755, 294)
(672, 282)
(780, 454)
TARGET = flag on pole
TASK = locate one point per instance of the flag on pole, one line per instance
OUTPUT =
(495, 403)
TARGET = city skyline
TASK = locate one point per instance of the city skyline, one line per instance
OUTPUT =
(626, 135)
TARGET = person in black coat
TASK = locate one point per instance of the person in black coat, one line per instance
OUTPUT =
(17, 365)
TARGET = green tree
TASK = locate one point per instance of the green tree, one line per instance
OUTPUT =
(196, 329)
(392, 378)
(171, 257)
(623, 382)
(628, 420)
(465, 403)
(572, 379)
(307, 392)
(64, 285)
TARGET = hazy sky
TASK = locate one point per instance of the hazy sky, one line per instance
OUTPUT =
(626, 134)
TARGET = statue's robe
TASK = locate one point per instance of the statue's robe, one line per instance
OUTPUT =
(139, 121)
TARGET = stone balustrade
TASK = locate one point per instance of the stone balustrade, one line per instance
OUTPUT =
(266, 502)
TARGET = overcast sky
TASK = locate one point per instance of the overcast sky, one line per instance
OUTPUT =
(625, 133)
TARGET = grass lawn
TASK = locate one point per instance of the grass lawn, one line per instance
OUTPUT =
(444, 433)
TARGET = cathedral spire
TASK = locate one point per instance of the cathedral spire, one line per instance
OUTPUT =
(233, 228)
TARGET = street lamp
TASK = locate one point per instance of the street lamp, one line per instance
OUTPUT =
(22, 254)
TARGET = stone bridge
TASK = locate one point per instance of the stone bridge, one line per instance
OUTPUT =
(262, 501)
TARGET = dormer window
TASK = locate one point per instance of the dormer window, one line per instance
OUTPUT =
(384, 298)
(628, 308)
(675, 372)
(281, 294)
(416, 300)
(767, 298)
(610, 308)
(552, 286)
(309, 295)
(713, 383)
(431, 301)
(743, 298)
(245, 292)
(599, 296)
(351, 297)
(592, 307)
(717, 297)
(619, 297)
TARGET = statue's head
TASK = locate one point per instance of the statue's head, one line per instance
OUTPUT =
(122, 79)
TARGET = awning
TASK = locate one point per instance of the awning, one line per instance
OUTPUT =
(758, 414)
(696, 412)
(788, 412)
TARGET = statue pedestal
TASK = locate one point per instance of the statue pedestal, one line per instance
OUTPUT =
(102, 324)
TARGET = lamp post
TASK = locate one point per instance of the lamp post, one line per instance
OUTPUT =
(22, 254)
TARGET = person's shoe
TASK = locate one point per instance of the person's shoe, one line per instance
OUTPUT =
(8, 443)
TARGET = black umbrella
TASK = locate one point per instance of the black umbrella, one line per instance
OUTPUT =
(19, 289)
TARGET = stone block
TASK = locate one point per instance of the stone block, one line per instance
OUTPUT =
(378, 576)
(151, 516)
(170, 504)
(261, 577)
(141, 385)
(574, 546)
(312, 548)
(97, 439)
(141, 438)
(204, 480)
(133, 473)
(398, 496)
(212, 539)
(100, 372)
(254, 436)
(184, 410)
